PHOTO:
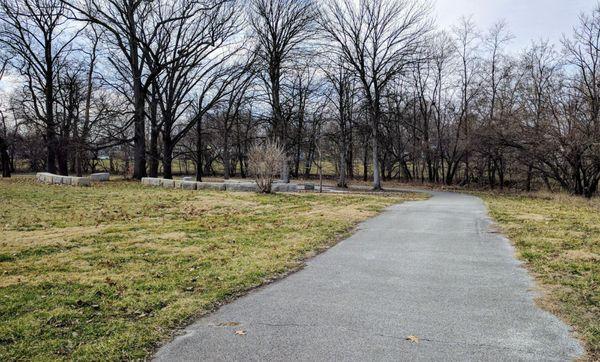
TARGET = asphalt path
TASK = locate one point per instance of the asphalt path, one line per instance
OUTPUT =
(424, 280)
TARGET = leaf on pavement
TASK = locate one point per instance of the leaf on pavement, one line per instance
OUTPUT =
(413, 339)
(240, 332)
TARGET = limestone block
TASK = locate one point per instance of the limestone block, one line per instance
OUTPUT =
(188, 185)
(80, 181)
(167, 183)
(280, 187)
(152, 181)
(100, 176)
(241, 186)
(43, 177)
(219, 186)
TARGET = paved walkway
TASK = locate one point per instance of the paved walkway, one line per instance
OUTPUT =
(430, 269)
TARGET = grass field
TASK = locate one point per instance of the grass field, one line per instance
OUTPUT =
(107, 272)
(558, 236)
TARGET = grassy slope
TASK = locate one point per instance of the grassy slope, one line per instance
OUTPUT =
(558, 237)
(107, 272)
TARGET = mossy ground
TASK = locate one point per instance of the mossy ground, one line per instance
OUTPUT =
(110, 271)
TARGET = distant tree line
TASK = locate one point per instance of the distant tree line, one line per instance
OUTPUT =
(150, 88)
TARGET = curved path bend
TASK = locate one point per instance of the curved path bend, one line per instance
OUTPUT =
(431, 269)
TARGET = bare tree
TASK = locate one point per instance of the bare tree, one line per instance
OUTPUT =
(379, 39)
(494, 42)
(196, 71)
(35, 34)
(583, 51)
(467, 46)
(140, 31)
(228, 115)
(342, 99)
(4, 157)
(281, 29)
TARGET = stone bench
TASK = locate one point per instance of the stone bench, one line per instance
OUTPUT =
(52, 179)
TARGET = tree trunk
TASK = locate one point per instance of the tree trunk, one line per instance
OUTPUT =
(285, 170)
(78, 153)
(154, 156)
(199, 149)
(139, 140)
(154, 134)
(308, 160)
(167, 155)
(62, 158)
(350, 162)
(376, 172)
(342, 180)
(529, 177)
(491, 168)
(365, 163)
(226, 157)
(139, 99)
(4, 158)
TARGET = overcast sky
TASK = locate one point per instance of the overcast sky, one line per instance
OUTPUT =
(527, 19)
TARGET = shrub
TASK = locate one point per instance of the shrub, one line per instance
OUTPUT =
(265, 163)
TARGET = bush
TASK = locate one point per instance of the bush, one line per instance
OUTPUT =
(265, 163)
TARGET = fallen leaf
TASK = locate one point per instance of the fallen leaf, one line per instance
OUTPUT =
(413, 339)
(240, 332)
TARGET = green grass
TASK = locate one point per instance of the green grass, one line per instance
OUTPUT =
(111, 271)
(558, 236)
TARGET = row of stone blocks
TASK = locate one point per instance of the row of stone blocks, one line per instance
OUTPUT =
(50, 178)
(220, 186)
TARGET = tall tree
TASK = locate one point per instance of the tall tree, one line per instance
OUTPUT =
(34, 34)
(139, 30)
(467, 41)
(379, 39)
(583, 51)
(342, 99)
(197, 71)
(281, 29)
(4, 157)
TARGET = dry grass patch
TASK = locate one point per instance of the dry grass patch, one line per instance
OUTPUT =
(107, 272)
(558, 236)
